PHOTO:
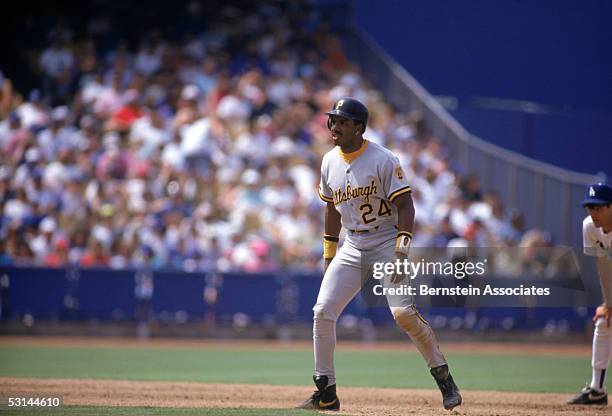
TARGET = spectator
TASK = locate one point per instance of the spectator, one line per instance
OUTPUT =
(95, 255)
(14, 138)
(58, 255)
(57, 136)
(445, 233)
(5, 257)
(56, 64)
(148, 60)
(42, 244)
(19, 208)
(33, 112)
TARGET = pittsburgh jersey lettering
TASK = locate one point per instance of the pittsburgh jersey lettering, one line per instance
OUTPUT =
(363, 189)
(351, 193)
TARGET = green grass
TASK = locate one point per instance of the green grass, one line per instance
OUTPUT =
(152, 411)
(283, 367)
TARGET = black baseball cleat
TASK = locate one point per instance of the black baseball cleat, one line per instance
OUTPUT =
(324, 398)
(589, 396)
(450, 392)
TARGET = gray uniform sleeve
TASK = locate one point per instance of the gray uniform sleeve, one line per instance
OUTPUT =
(394, 179)
(325, 192)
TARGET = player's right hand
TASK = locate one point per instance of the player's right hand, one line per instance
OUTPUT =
(602, 311)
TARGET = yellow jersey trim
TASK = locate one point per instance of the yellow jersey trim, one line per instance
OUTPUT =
(349, 157)
(399, 192)
(325, 198)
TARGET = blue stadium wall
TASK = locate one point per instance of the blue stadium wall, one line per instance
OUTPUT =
(552, 52)
(103, 295)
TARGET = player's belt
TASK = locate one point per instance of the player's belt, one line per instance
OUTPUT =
(362, 231)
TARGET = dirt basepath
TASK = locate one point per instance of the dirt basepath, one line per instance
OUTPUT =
(356, 401)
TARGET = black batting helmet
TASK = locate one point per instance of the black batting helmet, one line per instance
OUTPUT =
(349, 108)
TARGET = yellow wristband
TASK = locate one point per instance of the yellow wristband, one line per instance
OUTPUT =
(330, 245)
(402, 242)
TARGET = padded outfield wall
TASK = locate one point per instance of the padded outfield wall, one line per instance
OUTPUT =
(175, 298)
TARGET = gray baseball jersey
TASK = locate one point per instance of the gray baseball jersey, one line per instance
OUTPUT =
(363, 185)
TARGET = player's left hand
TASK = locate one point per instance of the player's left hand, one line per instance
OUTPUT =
(602, 311)
(402, 248)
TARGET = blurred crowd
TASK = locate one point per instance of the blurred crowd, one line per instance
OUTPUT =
(204, 153)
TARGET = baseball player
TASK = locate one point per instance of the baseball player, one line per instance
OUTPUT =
(367, 193)
(597, 241)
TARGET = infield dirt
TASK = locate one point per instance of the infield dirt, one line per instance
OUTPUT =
(356, 401)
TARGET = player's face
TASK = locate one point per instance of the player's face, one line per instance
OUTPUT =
(345, 133)
(600, 214)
